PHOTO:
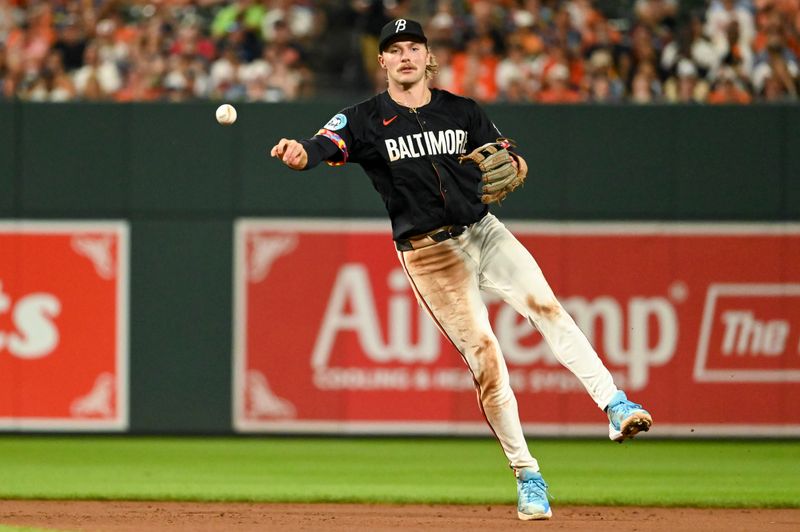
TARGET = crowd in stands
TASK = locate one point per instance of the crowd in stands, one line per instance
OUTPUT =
(546, 51)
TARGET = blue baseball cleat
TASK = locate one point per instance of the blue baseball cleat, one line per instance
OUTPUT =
(626, 419)
(532, 500)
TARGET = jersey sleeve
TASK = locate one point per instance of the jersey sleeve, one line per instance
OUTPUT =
(482, 129)
(339, 131)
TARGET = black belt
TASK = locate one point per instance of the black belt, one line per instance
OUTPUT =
(434, 237)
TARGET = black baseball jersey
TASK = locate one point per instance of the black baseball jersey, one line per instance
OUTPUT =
(411, 156)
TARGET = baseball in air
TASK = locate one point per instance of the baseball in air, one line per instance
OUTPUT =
(226, 114)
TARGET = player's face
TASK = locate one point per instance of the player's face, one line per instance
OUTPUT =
(405, 62)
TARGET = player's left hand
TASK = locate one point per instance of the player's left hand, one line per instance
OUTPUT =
(502, 172)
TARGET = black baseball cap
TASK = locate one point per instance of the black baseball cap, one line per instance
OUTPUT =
(400, 28)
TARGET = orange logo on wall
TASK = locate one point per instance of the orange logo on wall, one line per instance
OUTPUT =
(63, 325)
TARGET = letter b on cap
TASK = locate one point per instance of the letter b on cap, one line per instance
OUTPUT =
(399, 25)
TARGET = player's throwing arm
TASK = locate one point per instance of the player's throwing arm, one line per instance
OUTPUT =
(291, 153)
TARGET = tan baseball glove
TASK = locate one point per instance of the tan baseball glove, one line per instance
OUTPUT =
(500, 177)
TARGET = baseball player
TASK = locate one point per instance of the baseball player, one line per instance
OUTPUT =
(438, 162)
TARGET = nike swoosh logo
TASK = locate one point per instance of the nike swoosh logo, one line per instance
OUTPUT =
(387, 121)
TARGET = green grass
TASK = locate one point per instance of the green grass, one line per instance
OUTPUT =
(10, 528)
(641, 472)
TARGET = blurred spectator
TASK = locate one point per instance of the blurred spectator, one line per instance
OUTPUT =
(143, 80)
(692, 44)
(643, 52)
(554, 51)
(285, 44)
(243, 17)
(10, 17)
(445, 25)
(604, 83)
(191, 41)
(719, 17)
(783, 15)
(10, 74)
(685, 85)
(599, 90)
(368, 18)
(284, 82)
(558, 55)
(139, 85)
(728, 89)
(778, 65)
(104, 73)
(513, 73)
(290, 73)
(53, 84)
(772, 86)
(486, 23)
(564, 33)
(599, 33)
(474, 70)
(737, 56)
(260, 69)
(782, 18)
(299, 18)
(117, 37)
(557, 88)
(71, 44)
(443, 53)
(224, 75)
(645, 86)
(238, 26)
(659, 16)
(526, 31)
(185, 78)
(583, 17)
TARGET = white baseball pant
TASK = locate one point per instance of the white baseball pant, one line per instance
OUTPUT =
(447, 279)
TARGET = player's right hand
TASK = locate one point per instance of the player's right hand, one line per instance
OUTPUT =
(291, 153)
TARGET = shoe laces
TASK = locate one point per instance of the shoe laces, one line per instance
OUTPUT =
(534, 489)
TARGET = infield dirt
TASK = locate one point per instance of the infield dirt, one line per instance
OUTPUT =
(118, 516)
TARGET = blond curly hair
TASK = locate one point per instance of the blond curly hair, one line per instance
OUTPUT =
(432, 68)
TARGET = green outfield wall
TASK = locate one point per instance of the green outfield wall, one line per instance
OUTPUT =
(180, 180)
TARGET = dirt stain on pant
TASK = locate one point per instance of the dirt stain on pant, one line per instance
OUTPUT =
(490, 373)
(547, 310)
(447, 285)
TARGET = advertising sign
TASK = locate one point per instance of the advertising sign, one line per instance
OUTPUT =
(63, 325)
(699, 322)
